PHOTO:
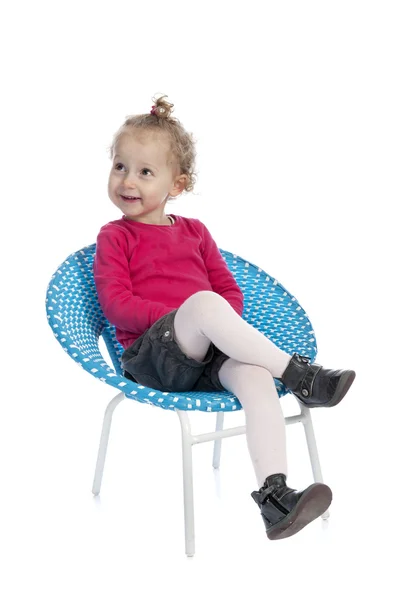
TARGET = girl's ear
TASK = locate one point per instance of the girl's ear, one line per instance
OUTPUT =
(179, 185)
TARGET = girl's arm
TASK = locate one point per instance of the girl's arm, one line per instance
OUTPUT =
(120, 305)
(220, 277)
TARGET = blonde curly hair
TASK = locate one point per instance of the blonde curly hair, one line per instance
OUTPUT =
(182, 143)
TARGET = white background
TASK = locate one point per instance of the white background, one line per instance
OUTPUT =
(295, 109)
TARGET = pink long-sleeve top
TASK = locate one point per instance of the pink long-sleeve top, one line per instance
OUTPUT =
(144, 271)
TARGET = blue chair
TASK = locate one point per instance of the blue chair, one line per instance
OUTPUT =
(77, 321)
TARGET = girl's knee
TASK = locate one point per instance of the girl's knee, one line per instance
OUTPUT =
(248, 372)
(205, 294)
(204, 298)
(237, 376)
(197, 307)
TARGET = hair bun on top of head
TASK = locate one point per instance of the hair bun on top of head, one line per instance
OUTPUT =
(161, 108)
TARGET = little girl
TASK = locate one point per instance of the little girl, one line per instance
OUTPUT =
(177, 309)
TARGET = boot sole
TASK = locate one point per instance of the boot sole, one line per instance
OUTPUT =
(343, 386)
(313, 503)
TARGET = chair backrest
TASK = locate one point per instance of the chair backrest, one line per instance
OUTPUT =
(73, 310)
(77, 320)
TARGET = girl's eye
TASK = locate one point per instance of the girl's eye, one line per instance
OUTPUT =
(119, 167)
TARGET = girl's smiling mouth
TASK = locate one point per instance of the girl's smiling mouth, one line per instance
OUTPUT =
(130, 198)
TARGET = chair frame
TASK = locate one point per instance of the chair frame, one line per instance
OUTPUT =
(188, 441)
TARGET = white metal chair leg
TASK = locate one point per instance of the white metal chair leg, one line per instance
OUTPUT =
(188, 488)
(312, 447)
(217, 446)
(188, 440)
(102, 451)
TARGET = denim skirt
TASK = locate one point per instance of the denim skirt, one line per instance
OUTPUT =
(156, 361)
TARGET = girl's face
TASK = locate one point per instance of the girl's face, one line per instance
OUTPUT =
(142, 177)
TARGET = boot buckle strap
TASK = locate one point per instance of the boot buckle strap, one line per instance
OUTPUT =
(306, 385)
(264, 493)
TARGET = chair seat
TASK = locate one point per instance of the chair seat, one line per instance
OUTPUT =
(77, 321)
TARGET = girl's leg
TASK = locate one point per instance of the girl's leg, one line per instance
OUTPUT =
(265, 425)
(207, 317)
(284, 511)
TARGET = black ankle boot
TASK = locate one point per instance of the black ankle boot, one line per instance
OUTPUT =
(286, 511)
(315, 386)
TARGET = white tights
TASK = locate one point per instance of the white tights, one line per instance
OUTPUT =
(254, 360)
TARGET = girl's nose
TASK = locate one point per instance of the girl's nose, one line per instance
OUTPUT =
(130, 181)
